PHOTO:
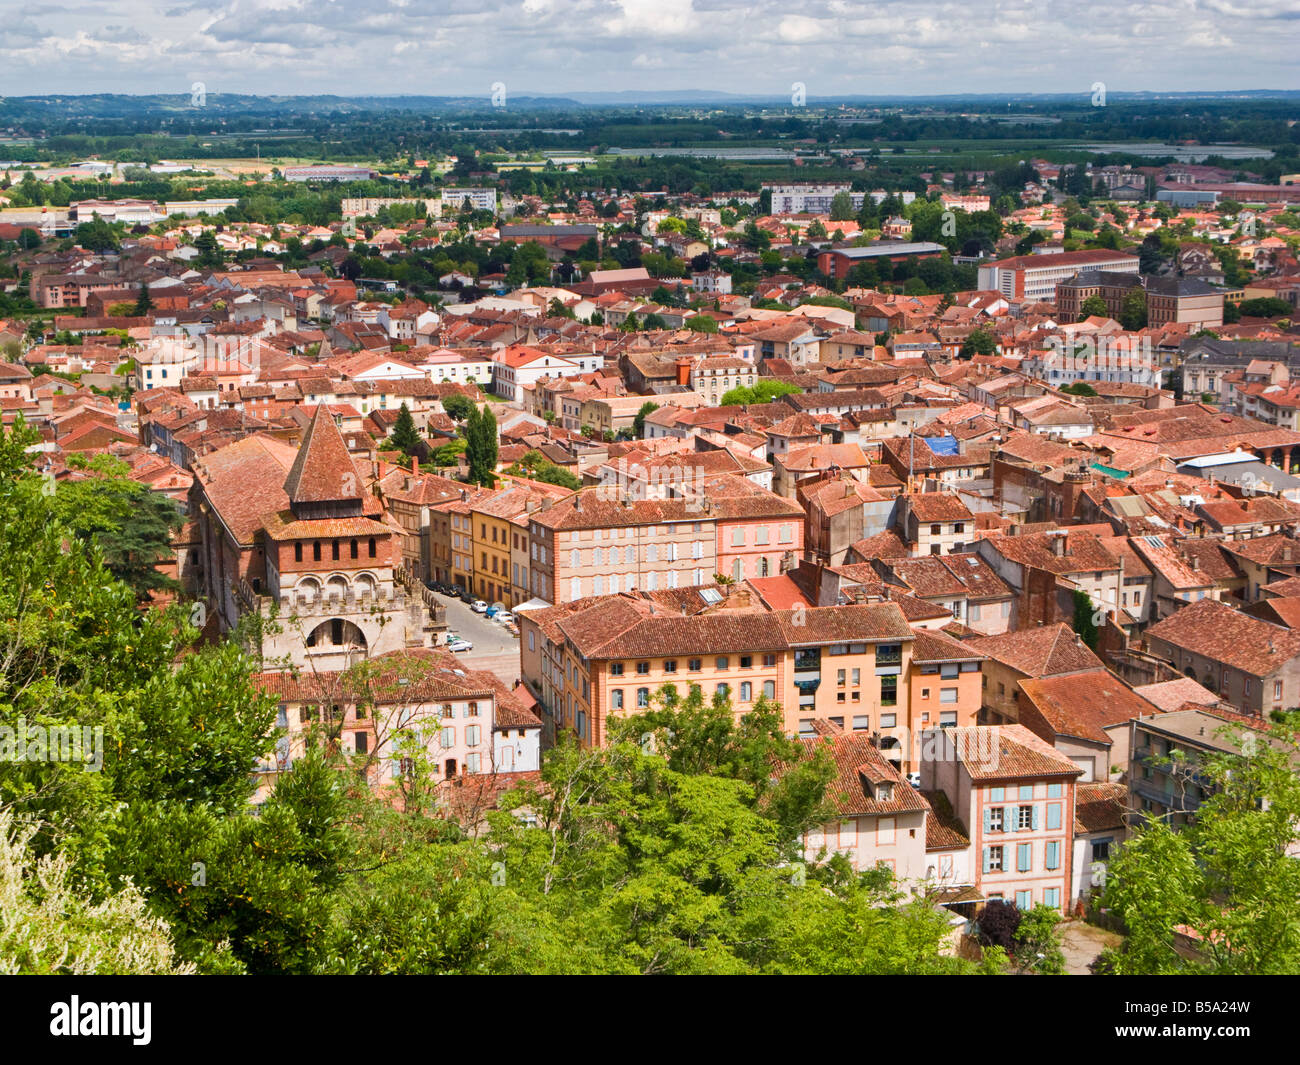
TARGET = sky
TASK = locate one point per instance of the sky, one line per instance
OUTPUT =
(832, 47)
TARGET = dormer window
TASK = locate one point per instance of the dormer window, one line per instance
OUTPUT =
(885, 792)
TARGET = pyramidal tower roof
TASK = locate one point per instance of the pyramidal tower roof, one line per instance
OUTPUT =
(324, 471)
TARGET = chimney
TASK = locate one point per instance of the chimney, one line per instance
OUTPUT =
(577, 502)
(415, 466)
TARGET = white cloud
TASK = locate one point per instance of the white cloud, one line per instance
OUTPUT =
(837, 46)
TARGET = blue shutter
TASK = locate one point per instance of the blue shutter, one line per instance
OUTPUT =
(1053, 854)
(1054, 815)
(988, 823)
(986, 858)
(1034, 823)
(1023, 858)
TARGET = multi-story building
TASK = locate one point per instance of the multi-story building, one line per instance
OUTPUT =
(297, 534)
(454, 200)
(465, 721)
(601, 541)
(1168, 299)
(1250, 663)
(880, 819)
(810, 197)
(590, 660)
(1017, 795)
(1033, 278)
(500, 522)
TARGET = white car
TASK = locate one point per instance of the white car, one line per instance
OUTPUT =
(459, 645)
(478, 606)
(504, 617)
(914, 779)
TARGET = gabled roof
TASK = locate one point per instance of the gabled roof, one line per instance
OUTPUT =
(1045, 651)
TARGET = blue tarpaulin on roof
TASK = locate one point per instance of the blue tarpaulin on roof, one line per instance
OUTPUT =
(942, 445)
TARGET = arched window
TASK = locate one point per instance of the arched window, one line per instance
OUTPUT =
(769, 689)
(643, 697)
(746, 692)
(738, 569)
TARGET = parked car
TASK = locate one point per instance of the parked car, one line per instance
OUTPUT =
(464, 595)
(504, 617)
(914, 779)
(459, 645)
(478, 606)
(492, 611)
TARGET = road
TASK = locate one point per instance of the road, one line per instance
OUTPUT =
(495, 650)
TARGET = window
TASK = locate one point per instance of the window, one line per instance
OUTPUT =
(1025, 819)
(693, 665)
(1026, 791)
(947, 695)
(1053, 815)
(992, 859)
(889, 691)
(885, 830)
(997, 794)
(334, 550)
(840, 677)
(1055, 791)
(353, 549)
(948, 719)
(616, 699)
(471, 735)
(642, 697)
(993, 819)
(888, 720)
(723, 691)
(934, 530)
(746, 692)
(1024, 900)
(785, 535)
(643, 668)
(722, 662)
(616, 669)
(1052, 897)
(856, 677)
(670, 665)
(1053, 854)
(448, 737)
(861, 722)
(473, 762)
(925, 693)
(746, 661)
(315, 551)
(297, 557)
(769, 660)
(1024, 857)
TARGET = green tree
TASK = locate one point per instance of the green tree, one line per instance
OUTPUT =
(1085, 614)
(638, 423)
(1227, 875)
(130, 524)
(1133, 310)
(842, 207)
(144, 304)
(978, 342)
(1080, 388)
(765, 391)
(458, 405)
(1093, 307)
(405, 437)
(481, 446)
